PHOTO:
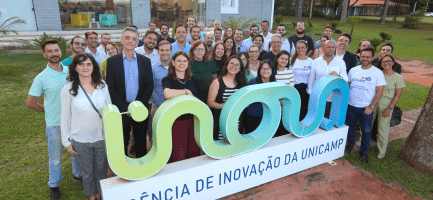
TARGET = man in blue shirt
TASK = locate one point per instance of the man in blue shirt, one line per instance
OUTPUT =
(159, 70)
(189, 23)
(50, 82)
(78, 45)
(181, 43)
(254, 29)
(239, 35)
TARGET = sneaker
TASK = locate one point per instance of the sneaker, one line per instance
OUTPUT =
(77, 179)
(54, 193)
(358, 142)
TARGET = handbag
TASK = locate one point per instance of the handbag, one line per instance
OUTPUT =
(90, 100)
(396, 116)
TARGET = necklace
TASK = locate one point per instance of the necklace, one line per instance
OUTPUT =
(181, 81)
(254, 67)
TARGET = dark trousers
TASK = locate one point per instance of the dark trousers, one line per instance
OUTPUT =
(139, 130)
(365, 121)
(305, 98)
(251, 123)
(328, 109)
(184, 145)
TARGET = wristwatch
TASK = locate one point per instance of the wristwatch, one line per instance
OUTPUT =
(391, 108)
(372, 106)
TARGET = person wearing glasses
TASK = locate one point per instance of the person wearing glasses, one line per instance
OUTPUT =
(254, 62)
(219, 56)
(301, 66)
(179, 81)
(343, 42)
(229, 42)
(276, 47)
(254, 112)
(258, 40)
(319, 51)
(239, 35)
(386, 49)
(246, 61)
(232, 79)
(300, 29)
(254, 30)
(78, 45)
(204, 70)
(286, 44)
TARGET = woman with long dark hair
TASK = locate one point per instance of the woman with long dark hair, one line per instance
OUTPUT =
(204, 70)
(179, 81)
(255, 110)
(245, 60)
(228, 33)
(284, 74)
(81, 122)
(232, 79)
(219, 56)
(301, 66)
(230, 46)
(254, 62)
(319, 51)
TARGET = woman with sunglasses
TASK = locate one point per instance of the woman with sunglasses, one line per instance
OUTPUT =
(319, 52)
(219, 56)
(111, 49)
(179, 82)
(203, 69)
(232, 79)
(82, 133)
(255, 110)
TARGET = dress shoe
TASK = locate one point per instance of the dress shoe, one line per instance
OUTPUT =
(363, 157)
(54, 193)
(348, 148)
(77, 179)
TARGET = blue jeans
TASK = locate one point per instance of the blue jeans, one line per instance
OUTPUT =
(364, 120)
(55, 149)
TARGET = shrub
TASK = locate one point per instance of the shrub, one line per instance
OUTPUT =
(335, 24)
(375, 43)
(331, 16)
(278, 19)
(283, 11)
(385, 36)
(38, 42)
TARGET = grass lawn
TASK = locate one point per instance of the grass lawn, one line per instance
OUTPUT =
(393, 169)
(408, 43)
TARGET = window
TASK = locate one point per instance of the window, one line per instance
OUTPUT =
(229, 6)
(170, 11)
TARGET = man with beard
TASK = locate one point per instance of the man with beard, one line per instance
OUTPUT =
(265, 32)
(105, 37)
(217, 35)
(159, 70)
(208, 40)
(254, 29)
(148, 49)
(92, 43)
(386, 49)
(50, 82)
(78, 45)
(300, 28)
(239, 35)
(195, 34)
(326, 65)
(180, 44)
(366, 87)
(343, 42)
(164, 34)
(190, 22)
(285, 45)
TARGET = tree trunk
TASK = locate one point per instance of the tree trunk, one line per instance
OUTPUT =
(344, 11)
(288, 5)
(337, 2)
(418, 148)
(298, 10)
(385, 12)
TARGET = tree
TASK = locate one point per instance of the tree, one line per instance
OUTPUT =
(8, 26)
(353, 21)
(241, 23)
(418, 148)
(344, 11)
(288, 5)
(298, 10)
(385, 12)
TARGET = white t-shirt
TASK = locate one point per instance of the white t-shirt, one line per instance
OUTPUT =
(254, 73)
(363, 85)
(301, 70)
(285, 76)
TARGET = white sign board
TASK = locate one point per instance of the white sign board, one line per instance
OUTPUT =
(206, 178)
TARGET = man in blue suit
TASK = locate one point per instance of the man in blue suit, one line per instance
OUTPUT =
(343, 42)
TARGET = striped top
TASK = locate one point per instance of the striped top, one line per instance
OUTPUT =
(286, 77)
(228, 92)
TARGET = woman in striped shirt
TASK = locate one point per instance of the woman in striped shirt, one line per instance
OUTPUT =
(232, 79)
(284, 74)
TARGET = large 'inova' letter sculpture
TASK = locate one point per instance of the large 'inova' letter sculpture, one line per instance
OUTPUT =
(268, 94)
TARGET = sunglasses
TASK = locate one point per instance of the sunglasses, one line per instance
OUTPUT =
(79, 43)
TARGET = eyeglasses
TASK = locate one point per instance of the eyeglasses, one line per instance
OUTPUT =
(237, 66)
(254, 52)
(265, 69)
(386, 61)
(276, 42)
(254, 29)
(199, 49)
(281, 29)
(244, 59)
(343, 41)
(301, 26)
(181, 61)
(79, 43)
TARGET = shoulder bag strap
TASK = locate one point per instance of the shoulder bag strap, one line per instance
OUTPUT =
(90, 100)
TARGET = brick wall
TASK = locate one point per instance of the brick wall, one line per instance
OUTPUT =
(47, 15)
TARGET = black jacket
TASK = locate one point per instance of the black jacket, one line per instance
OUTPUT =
(350, 60)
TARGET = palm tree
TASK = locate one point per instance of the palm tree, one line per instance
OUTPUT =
(236, 23)
(7, 26)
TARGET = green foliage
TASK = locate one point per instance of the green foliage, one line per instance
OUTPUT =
(38, 42)
(375, 43)
(7, 27)
(278, 19)
(316, 13)
(241, 23)
(294, 24)
(332, 16)
(173, 29)
(412, 21)
(353, 21)
(385, 36)
(335, 24)
(308, 26)
(282, 10)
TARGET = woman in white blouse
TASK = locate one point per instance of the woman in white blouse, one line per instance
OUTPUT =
(81, 121)
(301, 66)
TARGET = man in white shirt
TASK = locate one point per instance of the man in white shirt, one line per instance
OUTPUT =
(92, 43)
(326, 65)
(216, 25)
(105, 37)
(343, 42)
(265, 31)
(148, 49)
(286, 43)
(366, 87)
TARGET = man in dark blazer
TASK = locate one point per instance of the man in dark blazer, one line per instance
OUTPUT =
(343, 42)
(130, 78)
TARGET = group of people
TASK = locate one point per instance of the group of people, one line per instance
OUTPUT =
(209, 66)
